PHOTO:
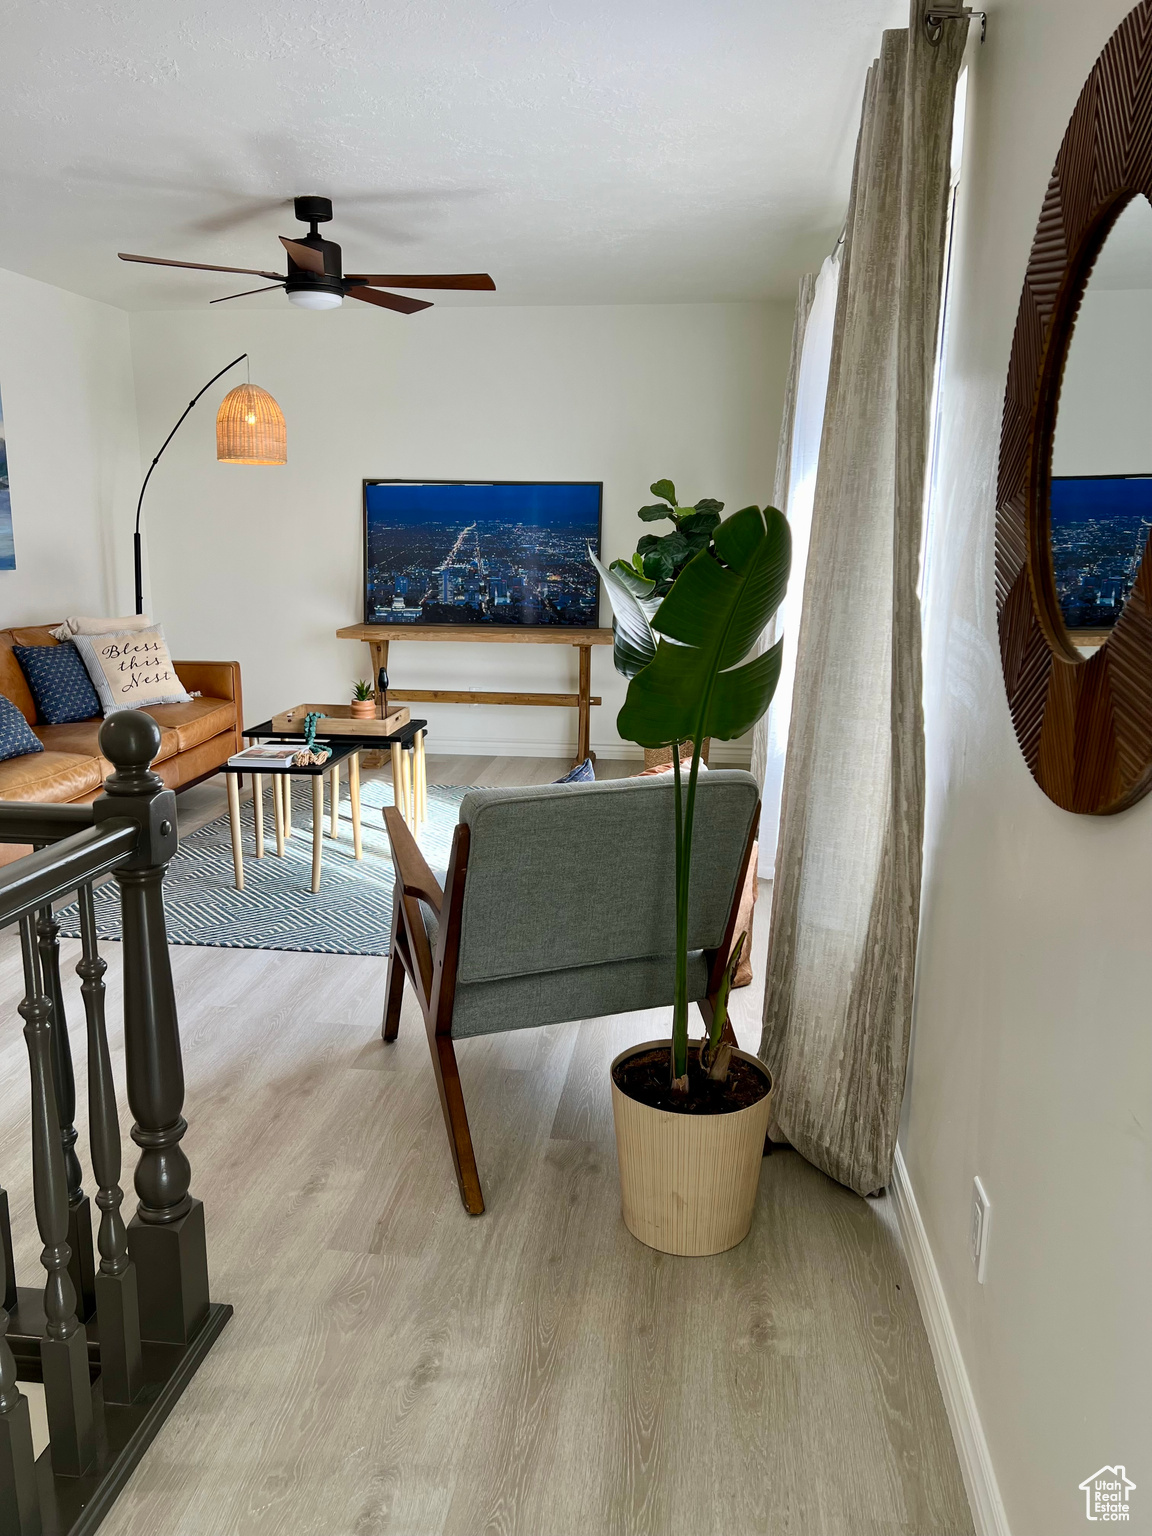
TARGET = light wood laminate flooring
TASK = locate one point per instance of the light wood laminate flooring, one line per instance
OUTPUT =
(395, 1366)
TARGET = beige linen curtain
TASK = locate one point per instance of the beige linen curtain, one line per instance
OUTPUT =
(782, 485)
(846, 895)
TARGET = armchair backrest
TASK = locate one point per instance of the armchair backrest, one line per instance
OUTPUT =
(568, 875)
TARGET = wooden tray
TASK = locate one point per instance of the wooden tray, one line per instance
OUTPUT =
(338, 721)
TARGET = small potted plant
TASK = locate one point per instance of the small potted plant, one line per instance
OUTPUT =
(691, 1116)
(363, 700)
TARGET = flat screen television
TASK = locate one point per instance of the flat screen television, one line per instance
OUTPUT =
(1100, 527)
(500, 552)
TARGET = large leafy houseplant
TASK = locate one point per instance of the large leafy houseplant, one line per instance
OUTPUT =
(699, 682)
(637, 587)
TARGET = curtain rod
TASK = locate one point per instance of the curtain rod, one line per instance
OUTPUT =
(940, 11)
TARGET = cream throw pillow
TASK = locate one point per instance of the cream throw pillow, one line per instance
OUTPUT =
(80, 625)
(131, 669)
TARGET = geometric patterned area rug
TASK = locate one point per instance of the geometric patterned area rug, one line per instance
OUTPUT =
(351, 914)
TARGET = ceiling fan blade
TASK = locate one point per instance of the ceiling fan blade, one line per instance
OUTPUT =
(476, 280)
(200, 266)
(304, 256)
(245, 294)
(388, 300)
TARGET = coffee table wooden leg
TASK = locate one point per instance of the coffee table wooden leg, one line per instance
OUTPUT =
(234, 821)
(354, 797)
(258, 811)
(422, 775)
(409, 802)
(398, 777)
(278, 811)
(317, 828)
(286, 791)
(334, 801)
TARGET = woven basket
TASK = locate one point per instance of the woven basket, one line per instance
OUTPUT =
(656, 757)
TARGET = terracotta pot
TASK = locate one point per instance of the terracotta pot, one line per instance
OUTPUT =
(688, 1182)
(363, 709)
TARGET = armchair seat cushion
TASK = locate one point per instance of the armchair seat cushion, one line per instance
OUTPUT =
(52, 776)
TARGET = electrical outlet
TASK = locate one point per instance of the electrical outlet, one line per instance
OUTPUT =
(981, 1225)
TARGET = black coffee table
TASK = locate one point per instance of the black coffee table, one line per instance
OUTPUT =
(281, 777)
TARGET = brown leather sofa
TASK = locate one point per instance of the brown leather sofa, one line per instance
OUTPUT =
(195, 738)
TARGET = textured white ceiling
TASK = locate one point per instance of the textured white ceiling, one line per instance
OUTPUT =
(581, 151)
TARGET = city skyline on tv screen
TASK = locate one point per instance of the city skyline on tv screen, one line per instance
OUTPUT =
(481, 553)
(1099, 529)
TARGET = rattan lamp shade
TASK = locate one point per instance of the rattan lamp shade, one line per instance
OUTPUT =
(250, 428)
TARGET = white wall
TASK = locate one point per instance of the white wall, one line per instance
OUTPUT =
(1104, 426)
(1032, 1062)
(73, 461)
(264, 564)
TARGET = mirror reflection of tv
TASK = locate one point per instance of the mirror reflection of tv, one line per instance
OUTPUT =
(499, 552)
(1099, 528)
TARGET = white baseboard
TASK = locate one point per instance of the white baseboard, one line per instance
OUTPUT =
(724, 754)
(988, 1514)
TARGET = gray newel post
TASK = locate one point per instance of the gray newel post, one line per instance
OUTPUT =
(166, 1236)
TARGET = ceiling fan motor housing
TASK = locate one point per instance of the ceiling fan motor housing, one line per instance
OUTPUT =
(313, 210)
(331, 281)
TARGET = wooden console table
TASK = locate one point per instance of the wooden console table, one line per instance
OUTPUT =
(377, 637)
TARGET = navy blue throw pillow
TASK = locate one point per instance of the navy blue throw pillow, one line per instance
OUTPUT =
(16, 735)
(583, 773)
(59, 682)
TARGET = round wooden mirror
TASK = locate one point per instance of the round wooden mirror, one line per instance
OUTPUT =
(1074, 505)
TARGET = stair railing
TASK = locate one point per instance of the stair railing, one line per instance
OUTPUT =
(113, 1343)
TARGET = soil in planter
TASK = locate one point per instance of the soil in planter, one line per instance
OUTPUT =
(645, 1079)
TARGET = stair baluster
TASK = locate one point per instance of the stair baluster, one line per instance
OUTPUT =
(19, 1495)
(117, 1303)
(64, 1350)
(81, 1265)
(6, 1255)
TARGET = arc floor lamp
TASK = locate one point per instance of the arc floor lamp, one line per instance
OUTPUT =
(249, 430)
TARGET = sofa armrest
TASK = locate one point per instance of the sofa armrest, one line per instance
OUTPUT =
(218, 680)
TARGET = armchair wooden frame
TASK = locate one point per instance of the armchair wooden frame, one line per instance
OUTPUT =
(433, 976)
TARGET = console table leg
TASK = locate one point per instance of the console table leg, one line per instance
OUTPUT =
(234, 821)
(334, 801)
(584, 708)
(378, 649)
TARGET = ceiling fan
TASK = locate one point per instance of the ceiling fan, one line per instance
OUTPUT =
(314, 279)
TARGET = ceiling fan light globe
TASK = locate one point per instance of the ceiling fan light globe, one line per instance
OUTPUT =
(311, 298)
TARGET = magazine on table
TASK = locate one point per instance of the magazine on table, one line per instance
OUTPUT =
(260, 759)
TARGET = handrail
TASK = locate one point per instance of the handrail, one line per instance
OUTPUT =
(55, 871)
(134, 1310)
(25, 822)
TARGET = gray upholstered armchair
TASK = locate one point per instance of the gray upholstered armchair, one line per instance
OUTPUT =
(559, 904)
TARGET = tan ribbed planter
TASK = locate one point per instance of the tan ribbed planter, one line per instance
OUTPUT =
(688, 1182)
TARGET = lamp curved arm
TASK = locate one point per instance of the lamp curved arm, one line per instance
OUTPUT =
(152, 466)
